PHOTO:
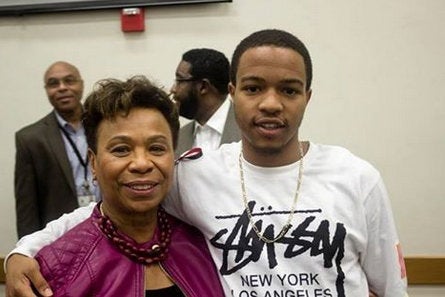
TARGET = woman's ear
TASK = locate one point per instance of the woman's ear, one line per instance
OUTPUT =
(92, 161)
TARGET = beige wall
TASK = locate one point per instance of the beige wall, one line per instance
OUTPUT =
(378, 83)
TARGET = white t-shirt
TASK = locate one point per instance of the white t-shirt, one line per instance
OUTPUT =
(342, 237)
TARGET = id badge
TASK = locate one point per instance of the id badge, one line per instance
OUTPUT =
(84, 200)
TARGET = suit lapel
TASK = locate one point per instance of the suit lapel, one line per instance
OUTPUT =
(231, 131)
(57, 146)
(185, 139)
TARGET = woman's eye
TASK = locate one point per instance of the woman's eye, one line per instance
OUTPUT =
(120, 150)
(158, 149)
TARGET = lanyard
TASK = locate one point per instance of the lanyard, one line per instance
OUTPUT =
(83, 162)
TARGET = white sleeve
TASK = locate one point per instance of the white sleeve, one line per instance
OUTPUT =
(30, 244)
(383, 260)
(173, 203)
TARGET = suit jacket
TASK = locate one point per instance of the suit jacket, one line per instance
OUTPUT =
(231, 133)
(43, 178)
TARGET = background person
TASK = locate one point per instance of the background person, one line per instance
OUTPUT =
(51, 168)
(201, 90)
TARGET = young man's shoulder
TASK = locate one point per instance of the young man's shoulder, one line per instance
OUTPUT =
(338, 158)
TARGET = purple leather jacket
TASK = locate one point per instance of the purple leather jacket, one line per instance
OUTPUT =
(83, 262)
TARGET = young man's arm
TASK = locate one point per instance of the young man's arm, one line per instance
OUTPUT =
(22, 270)
(383, 261)
(23, 274)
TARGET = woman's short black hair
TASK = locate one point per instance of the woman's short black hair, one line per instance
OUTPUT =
(112, 97)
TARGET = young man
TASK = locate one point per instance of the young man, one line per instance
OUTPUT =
(200, 90)
(283, 217)
(51, 170)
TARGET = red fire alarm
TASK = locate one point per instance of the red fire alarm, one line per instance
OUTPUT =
(132, 19)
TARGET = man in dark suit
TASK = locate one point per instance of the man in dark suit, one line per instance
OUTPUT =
(51, 170)
(200, 90)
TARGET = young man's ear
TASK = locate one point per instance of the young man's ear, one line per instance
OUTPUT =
(232, 90)
(308, 95)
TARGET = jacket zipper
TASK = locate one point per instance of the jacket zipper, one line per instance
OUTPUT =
(175, 282)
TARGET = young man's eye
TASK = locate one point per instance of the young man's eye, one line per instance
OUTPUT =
(251, 89)
(291, 91)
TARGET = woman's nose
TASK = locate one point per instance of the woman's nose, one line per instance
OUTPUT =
(141, 162)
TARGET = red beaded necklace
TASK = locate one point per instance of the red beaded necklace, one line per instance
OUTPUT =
(142, 255)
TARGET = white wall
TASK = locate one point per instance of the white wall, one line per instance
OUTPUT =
(378, 83)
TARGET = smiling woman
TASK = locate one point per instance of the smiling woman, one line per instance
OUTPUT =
(131, 128)
(20, 7)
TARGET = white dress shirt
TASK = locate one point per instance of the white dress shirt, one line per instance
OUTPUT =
(208, 136)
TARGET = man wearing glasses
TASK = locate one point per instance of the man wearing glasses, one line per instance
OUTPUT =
(200, 89)
(52, 175)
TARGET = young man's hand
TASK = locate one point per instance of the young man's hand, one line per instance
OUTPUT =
(23, 278)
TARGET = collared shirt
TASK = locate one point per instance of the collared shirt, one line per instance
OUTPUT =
(208, 136)
(79, 139)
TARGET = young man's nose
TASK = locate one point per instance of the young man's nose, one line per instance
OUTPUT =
(271, 101)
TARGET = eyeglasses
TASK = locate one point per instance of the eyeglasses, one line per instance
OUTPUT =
(53, 83)
(183, 79)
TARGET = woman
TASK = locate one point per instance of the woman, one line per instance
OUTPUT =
(130, 246)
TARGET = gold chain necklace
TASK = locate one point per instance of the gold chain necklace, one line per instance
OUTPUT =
(287, 225)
